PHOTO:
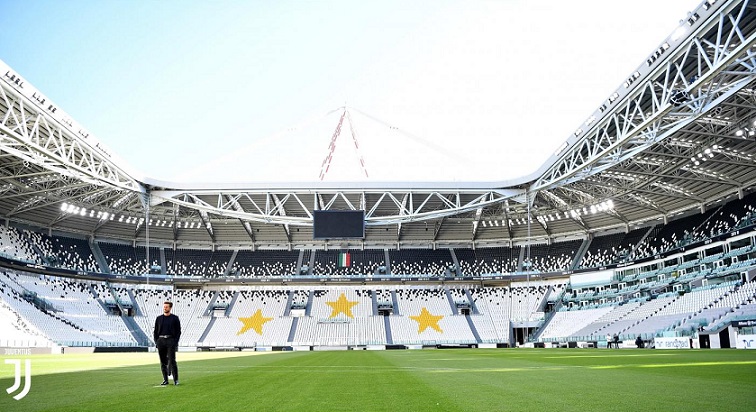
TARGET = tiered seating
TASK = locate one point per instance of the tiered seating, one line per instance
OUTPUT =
(595, 330)
(487, 330)
(141, 255)
(299, 298)
(747, 311)
(218, 263)
(413, 303)
(673, 235)
(488, 260)
(188, 262)
(265, 263)
(228, 331)
(321, 309)
(13, 244)
(526, 300)
(364, 330)
(413, 300)
(644, 318)
(454, 329)
(493, 309)
(567, 323)
(729, 306)
(459, 296)
(188, 305)
(383, 296)
(329, 322)
(738, 297)
(494, 304)
(420, 262)
(50, 325)
(127, 260)
(74, 303)
(555, 257)
(64, 252)
(608, 249)
(737, 213)
(15, 331)
(363, 262)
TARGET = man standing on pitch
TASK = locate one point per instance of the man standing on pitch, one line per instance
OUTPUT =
(167, 333)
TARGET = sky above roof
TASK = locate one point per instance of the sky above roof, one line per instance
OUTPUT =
(253, 91)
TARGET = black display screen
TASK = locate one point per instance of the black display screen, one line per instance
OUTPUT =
(338, 224)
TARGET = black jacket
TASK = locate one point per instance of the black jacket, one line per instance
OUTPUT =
(167, 325)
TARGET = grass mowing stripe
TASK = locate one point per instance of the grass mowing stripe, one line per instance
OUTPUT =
(498, 379)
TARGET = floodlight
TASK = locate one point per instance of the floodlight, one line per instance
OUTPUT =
(678, 33)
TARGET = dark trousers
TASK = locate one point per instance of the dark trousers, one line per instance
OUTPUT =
(166, 348)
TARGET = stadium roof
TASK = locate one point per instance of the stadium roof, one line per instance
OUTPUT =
(677, 136)
(230, 92)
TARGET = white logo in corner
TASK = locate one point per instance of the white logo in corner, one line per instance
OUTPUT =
(17, 382)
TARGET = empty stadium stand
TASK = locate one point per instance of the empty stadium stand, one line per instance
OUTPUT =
(690, 276)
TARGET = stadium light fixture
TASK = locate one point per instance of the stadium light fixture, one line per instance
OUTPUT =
(678, 33)
(708, 3)
(692, 18)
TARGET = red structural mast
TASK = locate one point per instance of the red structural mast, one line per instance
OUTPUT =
(326, 165)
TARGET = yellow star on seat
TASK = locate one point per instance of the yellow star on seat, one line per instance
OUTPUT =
(255, 322)
(342, 305)
(425, 319)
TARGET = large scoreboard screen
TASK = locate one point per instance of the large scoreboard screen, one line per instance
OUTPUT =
(338, 224)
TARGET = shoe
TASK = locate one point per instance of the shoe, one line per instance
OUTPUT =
(164, 383)
(175, 383)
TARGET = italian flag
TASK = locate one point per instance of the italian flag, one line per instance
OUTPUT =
(345, 260)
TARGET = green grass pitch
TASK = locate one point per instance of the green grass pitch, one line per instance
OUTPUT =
(409, 380)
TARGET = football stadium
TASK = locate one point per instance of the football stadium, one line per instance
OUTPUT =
(620, 275)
